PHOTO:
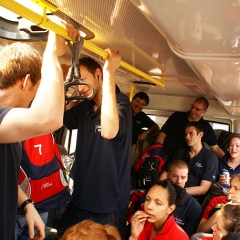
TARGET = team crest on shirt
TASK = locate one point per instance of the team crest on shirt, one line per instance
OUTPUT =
(138, 122)
(97, 128)
(199, 165)
(179, 220)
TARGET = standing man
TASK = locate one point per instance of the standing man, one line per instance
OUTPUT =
(172, 132)
(21, 69)
(202, 163)
(101, 170)
(140, 119)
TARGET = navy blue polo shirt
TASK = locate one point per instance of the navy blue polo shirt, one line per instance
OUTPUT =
(223, 164)
(174, 128)
(188, 214)
(101, 170)
(204, 166)
(141, 120)
(10, 155)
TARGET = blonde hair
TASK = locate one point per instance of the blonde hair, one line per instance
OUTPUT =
(16, 61)
(90, 230)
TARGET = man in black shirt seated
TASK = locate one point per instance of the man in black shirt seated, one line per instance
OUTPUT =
(140, 119)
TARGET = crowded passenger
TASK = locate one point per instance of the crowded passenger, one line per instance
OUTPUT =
(172, 132)
(210, 212)
(188, 213)
(101, 170)
(140, 120)
(202, 163)
(21, 69)
(231, 160)
(227, 221)
(89, 230)
(157, 220)
(41, 163)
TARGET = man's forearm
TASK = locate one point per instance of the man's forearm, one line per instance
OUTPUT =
(160, 138)
(196, 191)
(153, 128)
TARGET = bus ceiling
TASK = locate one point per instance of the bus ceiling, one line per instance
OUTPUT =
(190, 47)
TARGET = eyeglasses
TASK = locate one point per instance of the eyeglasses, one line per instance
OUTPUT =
(197, 109)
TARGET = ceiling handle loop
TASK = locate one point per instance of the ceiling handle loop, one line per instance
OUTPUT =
(73, 78)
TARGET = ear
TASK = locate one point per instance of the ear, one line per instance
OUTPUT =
(98, 72)
(204, 111)
(25, 81)
(200, 134)
(171, 209)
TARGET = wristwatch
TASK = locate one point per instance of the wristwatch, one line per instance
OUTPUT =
(25, 203)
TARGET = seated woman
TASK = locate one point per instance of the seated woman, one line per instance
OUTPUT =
(227, 222)
(210, 212)
(89, 230)
(157, 222)
(231, 160)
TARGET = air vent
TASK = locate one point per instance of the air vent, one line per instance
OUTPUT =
(194, 88)
(144, 83)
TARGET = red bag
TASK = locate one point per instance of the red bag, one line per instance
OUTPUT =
(41, 173)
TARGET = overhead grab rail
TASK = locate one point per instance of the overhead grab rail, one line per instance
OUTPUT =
(43, 21)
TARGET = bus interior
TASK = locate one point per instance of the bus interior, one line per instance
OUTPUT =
(174, 50)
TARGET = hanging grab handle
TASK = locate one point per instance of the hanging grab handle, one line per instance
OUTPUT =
(73, 78)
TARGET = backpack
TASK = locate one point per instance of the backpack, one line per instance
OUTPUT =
(149, 166)
(41, 172)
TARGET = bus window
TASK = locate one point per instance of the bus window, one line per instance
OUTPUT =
(222, 126)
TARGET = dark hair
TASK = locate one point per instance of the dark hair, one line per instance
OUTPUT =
(197, 125)
(90, 64)
(231, 213)
(203, 100)
(175, 192)
(232, 236)
(234, 135)
(142, 95)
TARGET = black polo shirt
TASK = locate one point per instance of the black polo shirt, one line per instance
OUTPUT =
(141, 120)
(204, 166)
(10, 155)
(174, 128)
(101, 170)
(188, 214)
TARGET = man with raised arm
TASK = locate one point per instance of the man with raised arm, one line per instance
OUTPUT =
(21, 69)
(172, 132)
(202, 163)
(101, 171)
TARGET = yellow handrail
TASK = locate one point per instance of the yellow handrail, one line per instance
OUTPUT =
(45, 22)
(41, 20)
(131, 92)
